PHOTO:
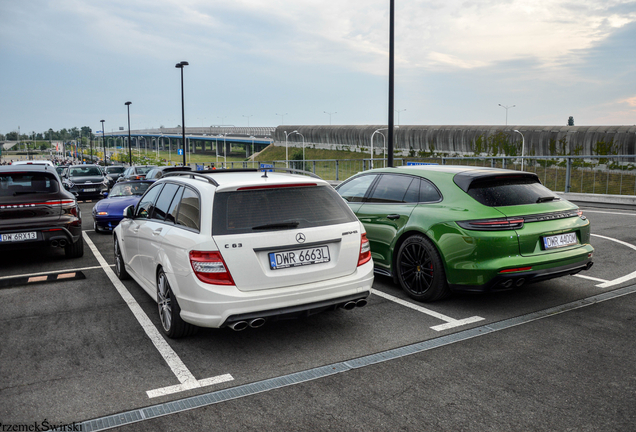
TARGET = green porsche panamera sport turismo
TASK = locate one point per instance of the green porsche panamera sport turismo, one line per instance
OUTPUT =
(437, 229)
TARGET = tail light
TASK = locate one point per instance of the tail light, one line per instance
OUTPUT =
(498, 224)
(210, 268)
(365, 250)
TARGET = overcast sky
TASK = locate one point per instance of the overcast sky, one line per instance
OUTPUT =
(72, 63)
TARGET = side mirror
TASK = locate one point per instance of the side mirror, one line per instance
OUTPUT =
(105, 194)
(129, 212)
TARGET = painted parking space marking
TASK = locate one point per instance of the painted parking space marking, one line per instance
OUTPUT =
(590, 278)
(246, 390)
(622, 279)
(187, 381)
(450, 322)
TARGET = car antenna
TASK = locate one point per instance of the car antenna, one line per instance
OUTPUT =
(264, 174)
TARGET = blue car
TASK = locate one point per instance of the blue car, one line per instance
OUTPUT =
(108, 212)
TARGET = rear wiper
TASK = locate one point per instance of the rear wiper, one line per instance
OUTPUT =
(278, 225)
(546, 199)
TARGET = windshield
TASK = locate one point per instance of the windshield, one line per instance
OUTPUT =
(144, 169)
(85, 171)
(128, 189)
(115, 170)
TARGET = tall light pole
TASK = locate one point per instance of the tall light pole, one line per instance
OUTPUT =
(391, 79)
(282, 122)
(181, 65)
(222, 120)
(330, 113)
(248, 119)
(398, 115)
(523, 144)
(376, 131)
(303, 137)
(506, 107)
(130, 160)
(287, 149)
(104, 142)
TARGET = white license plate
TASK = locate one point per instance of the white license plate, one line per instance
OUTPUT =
(90, 190)
(298, 257)
(16, 237)
(561, 240)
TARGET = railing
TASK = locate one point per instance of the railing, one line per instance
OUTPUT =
(614, 175)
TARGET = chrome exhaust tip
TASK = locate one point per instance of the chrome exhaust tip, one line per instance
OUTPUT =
(520, 282)
(257, 322)
(54, 243)
(361, 303)
(349, 305)
(507, 284)
(239, 325)
(62, 243)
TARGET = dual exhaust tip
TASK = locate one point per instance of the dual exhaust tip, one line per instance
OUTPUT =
(259, 322)
(516, 282)
(59, 243)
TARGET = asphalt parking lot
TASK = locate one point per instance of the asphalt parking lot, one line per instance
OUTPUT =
(558, 355)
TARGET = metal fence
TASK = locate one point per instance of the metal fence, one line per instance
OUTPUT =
(615, 175)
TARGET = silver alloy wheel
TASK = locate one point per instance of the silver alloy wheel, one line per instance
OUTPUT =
(164, 301)
(118, 260)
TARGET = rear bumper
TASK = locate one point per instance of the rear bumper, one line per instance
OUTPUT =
(508, 281)
(58, 236)
(219, 306)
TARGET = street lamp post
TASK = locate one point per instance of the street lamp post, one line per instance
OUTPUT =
(506, 107)
(376, 131)
(330, 113)
(181, 65)
(303, 137)
(248, 119)
(398, 115)
(523, 144)
(282, 118)
(286, 150)
(104, 142)
(130, 160)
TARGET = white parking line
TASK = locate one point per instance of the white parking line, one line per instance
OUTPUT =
(590, 278)
(183, 374)
(620, 280)
(450, 322)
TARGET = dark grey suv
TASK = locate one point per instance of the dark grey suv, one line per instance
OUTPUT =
(36, 211)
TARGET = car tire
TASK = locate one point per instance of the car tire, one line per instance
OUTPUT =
(169, 311)
(95, 227)
(75, 250)
(120, 268)
(420, 270)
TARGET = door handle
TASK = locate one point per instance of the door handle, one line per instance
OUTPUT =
(393, 216)
(157, 231)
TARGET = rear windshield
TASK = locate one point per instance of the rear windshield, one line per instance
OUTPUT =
(144, 169)
(499, 192)
(14, 184)
(260, 210)
(115, 169)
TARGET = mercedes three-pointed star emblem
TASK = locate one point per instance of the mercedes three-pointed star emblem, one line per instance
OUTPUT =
(300, 238)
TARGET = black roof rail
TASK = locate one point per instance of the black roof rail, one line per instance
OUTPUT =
(290, 170)
(192, 175)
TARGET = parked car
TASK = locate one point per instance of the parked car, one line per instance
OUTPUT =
(113, 172)
(437, 229)
(135, 172)
(36, 211)
(236, 248)
(33, 162)
(86, 180)
(158, 172)
(107, 213)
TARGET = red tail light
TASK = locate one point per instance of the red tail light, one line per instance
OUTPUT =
(210, 268)
(498, 224)
(365, 250)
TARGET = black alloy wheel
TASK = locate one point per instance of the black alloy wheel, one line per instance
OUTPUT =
(420, 270)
